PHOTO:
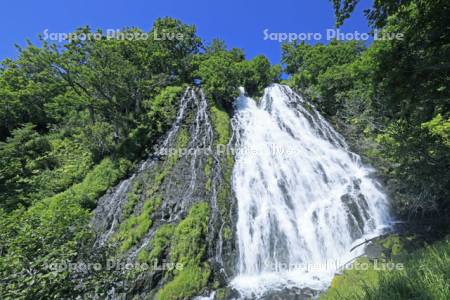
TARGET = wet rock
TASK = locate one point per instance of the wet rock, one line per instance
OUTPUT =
(179, 181)
(355, 219)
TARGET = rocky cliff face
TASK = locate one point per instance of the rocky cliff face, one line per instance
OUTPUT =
(177, 207)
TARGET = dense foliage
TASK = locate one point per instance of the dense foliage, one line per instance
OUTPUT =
(377, 15)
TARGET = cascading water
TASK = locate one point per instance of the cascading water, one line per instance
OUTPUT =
(110, 207)
(108, 213)
(179, 193)
(201, 138)
(303, 198)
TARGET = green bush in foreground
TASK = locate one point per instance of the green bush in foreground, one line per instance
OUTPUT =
(426, 275)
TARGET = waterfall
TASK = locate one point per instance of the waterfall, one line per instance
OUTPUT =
(108, 213)
(201, 137)
(179, 190)
(304, 199)
(111, 210)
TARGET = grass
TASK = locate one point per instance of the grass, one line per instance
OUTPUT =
(352, 284)
(133, 197)
(221, 124)
(222, 129)
(133, 229)
(426, 275)
(227, 233)
(188, 248)
(186, 284)
(208, 171)
(188, 245)
(159, 244)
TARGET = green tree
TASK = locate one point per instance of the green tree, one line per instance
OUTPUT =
(377, 15)
(256, 74)
(23, 154)
(312, 66)
(219, 75)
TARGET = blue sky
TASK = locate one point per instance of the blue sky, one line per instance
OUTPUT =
(238, 23)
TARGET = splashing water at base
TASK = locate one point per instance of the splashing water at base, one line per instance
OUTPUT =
(303, 198)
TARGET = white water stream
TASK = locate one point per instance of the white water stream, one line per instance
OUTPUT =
(303, 198)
